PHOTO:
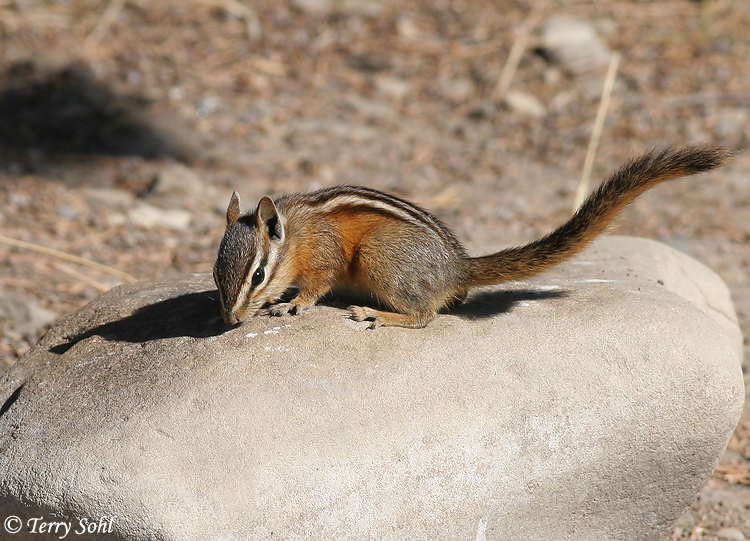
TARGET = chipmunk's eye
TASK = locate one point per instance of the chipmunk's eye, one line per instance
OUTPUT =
(258, 276)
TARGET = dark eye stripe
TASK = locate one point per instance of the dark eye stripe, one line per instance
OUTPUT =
(259, 273)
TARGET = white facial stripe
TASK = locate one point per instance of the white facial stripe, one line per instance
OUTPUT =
(245, 289)
(252, 298)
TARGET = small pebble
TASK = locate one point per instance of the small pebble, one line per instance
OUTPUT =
(66, 211)
(526, 104)
(574, 44)
(178, 179)
(730, 533)
(148, 216)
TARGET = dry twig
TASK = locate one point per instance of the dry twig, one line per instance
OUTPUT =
(82, 277)
(609, 83)
(102, 26)
(735, 474)
(66, 257)
(514, 57)
(241, 11)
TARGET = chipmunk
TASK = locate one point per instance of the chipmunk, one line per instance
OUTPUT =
(397, 256)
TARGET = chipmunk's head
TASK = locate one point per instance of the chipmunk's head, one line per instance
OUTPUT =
(252, 247)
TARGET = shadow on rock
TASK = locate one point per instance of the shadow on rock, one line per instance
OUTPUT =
(194, 314)
(479, 305)
(486, 304)
(197, 315)
(69, 111)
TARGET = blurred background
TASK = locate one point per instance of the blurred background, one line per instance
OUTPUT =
(126, 124)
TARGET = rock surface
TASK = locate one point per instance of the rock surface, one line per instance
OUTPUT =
(599, 396)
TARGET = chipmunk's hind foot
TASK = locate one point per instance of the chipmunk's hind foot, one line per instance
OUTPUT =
(380, 318)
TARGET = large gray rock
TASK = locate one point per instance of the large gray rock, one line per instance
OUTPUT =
(592, 403)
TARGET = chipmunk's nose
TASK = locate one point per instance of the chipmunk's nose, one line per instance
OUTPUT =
(229, 318)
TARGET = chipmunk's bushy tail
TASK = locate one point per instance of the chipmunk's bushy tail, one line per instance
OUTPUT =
(594, 215)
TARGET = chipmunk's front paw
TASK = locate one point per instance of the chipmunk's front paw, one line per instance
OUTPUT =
(295, 306)
(283, 308)
(357, 313)
(362, 313)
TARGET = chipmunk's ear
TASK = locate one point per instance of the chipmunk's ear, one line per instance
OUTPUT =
(233, 210)
(267, 216)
